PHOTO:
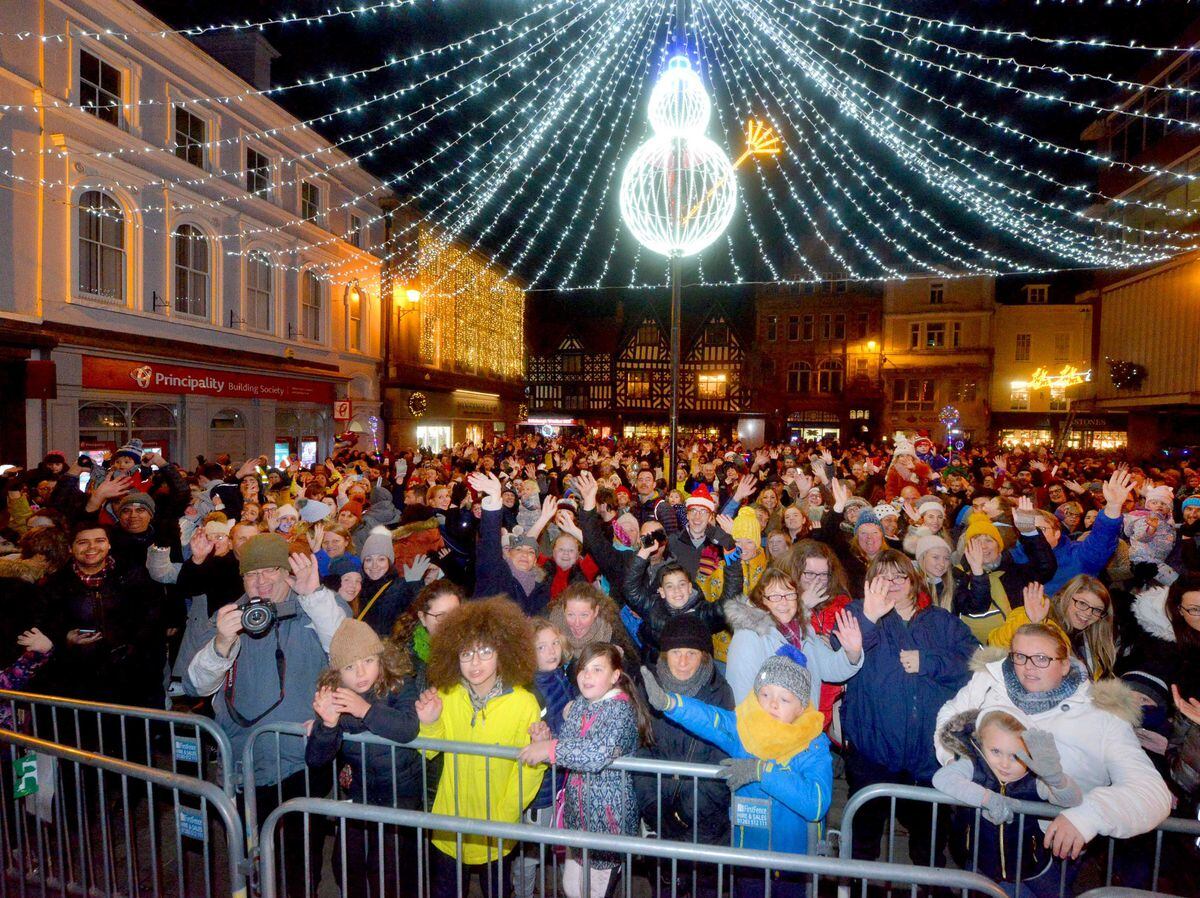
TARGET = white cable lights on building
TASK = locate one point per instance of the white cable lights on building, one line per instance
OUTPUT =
(908, 145)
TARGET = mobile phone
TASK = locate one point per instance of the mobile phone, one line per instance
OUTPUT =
(86, 632)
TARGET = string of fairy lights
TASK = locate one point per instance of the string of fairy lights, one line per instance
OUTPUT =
(910, 144)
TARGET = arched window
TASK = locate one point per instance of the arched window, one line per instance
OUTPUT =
(101, 246)
(310, 307)
(191, 272)
(799, 377)
(258, 292)
(829, 376)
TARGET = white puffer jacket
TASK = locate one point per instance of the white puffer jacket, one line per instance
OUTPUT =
(1123, 795)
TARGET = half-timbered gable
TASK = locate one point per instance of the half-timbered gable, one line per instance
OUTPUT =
(643, 366)
(571, 377)
(711, 373)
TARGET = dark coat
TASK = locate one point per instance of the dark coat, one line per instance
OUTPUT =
(397, 595)
(217, 578)
(683, 802)
(126, 665)
(1037, 564)
(493, 575)
(641, 595)
(681, 548)
(890, 715)
(391, 780)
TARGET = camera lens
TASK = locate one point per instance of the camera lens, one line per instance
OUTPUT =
(257, 618)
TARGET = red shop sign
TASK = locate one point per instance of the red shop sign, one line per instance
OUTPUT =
(152, 377)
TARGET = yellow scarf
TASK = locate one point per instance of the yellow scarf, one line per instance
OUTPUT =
(772, 740)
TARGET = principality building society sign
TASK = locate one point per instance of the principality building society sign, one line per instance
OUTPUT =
(129, 375)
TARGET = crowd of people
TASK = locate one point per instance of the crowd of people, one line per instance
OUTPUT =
(997, 625)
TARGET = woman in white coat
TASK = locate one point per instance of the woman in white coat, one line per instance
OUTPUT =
(1092, 724)
(773, 617)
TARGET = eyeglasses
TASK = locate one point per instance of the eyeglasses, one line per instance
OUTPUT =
(814, 575)
(1192, 612)
(780, 598)
(1089, 610)
(896, 578)
(484, 653)
(1039, 661)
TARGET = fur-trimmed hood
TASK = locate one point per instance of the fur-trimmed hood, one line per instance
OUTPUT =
(957, 734)
(31, 570)
(1112, 696)
(741, 615)
(1150, 611)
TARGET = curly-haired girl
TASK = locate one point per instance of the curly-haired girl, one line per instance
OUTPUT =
(481, 665)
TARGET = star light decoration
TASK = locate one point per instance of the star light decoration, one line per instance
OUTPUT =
(889, 168)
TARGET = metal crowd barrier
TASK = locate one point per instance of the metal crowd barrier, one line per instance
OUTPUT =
(137, 735)
(316, 784)
(751, 870)
(1132, 851)
(76, 823)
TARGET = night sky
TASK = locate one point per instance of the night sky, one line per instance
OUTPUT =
(350, 43)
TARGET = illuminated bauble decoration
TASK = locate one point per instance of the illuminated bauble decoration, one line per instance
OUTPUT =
(678, 191)
(417, 404)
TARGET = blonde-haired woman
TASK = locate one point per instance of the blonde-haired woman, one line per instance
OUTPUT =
(1082, 609)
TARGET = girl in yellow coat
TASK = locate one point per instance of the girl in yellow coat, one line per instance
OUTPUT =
(481, 664)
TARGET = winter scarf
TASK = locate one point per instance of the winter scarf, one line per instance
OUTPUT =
(96, 580)
(600, 630)
(772, 740)
(792, 632)
(477, 703)
(1037, 702)
(421, 643)
(528, 579)
(688, 687)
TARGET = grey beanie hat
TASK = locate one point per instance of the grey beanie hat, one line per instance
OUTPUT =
(787, 668)
(134, 497)
(378, 542)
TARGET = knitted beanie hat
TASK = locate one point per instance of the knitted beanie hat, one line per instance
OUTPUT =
(134, 497)
(379, 542)
(686, 631)
(787, 668)
(931, 501)
(133, 449)
(353, 506)
(904, 445)
(288, 511)
(313, 510)
(930, 541)
(867, 517)
(345, 564)
(627, 529)
(979, 524)
(885, 510)
(353, 641)
(1161, 493)
(262, 552)
(855, 502)
(745, 525)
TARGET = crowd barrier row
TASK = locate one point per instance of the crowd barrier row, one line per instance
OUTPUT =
(198, 753)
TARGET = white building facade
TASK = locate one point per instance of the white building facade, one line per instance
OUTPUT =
(204, 276)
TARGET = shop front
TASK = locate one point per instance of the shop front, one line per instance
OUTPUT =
(437, 419)
(184, 411)
(1097, 431)
(813, 425)
(1079, 431)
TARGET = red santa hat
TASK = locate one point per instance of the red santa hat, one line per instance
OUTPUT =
(702, 498)
(923, 444)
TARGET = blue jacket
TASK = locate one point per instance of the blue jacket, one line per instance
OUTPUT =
(799, 791)
(890, 715)
(1089, 555)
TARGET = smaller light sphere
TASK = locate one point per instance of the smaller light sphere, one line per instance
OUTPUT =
(679, 104)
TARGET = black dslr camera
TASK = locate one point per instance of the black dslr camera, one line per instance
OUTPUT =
(259, 615)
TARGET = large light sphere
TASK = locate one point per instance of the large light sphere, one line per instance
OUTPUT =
(678, 194)
(679, 104)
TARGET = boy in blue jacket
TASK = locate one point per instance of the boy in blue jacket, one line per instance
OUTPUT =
(778, 756)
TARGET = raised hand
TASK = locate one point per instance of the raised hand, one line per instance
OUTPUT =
(549, 508)
(1116, 491)
(34, 640)
(725, 522)
(876, 601)
(911, 511)
(849, 634)
(973, 553)
(1024, 516)
(803, 482)
(485, 484)
(841, 495)
(812, 596)
(656, 696)
(416, 570)
(1189, 707)
(566, 523)
(1042, 756)
(305, 579)
(1037, 603)
(201, 546)
(429, 706)
(745, 488)
(587, 488)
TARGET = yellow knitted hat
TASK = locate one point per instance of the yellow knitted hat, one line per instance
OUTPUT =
(745, 525)
(979, 524)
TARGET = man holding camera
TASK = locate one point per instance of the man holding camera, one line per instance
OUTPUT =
(259, 659)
